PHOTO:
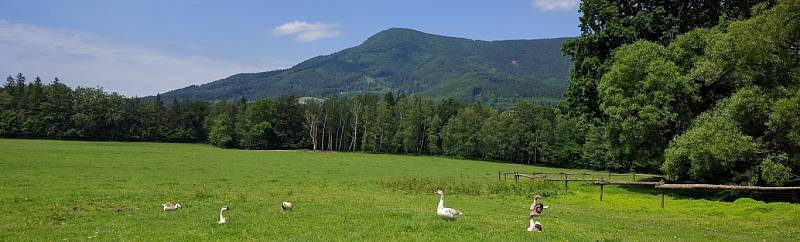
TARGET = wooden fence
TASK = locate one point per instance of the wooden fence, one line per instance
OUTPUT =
(565, 175)
(724, 187)
(660, 185)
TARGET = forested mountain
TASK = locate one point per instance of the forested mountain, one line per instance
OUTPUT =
(412, 62)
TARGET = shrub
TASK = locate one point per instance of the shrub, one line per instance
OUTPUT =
(773, 170)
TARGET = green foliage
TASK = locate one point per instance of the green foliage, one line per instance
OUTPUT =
(222, 131)
(644, 71)
(720, 146)
(501, 137)
(537, 127)
(595, 151)
(288, 123)
(434, 124)
(460, 134)
(647, 102)
(774, 171)
(784, 124)
(607, 25)
(765, 46)
(563, 146)
(408, 61)
(258, 119)
(8, 123)
(755, 60)
(714, 150)
(749, 107)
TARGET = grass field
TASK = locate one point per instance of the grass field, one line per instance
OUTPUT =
(118, 188)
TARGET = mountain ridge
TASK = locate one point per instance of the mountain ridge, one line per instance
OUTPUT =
(413, 62)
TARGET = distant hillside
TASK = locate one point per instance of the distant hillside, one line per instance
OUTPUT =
(412, 62)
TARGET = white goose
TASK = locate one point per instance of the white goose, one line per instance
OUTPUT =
(448, 214)
(168, 206)
(222, 218)
(286, 206)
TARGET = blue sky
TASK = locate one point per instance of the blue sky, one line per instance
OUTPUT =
(144, 47)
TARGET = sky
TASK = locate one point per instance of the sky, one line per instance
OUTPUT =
(144, 47)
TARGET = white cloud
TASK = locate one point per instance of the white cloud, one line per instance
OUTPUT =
(555, 5)
(307, 32)
(89, 60)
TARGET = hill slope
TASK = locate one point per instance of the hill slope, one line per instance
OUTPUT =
(409, 61)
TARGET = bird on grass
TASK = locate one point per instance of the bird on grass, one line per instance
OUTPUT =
(286, 206)
(448, 214)
(536, 210)
(222, 218)
(168, 206)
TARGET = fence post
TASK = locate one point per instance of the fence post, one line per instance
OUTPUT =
(634, 176)
(566, 180)
(602, 183)
(662, 193)
(516, 177)
(601, 191)
(498, 175)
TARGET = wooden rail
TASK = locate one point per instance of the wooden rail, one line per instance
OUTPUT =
(583, 180)
(605, 182)
(633, 175)
(660, 185)
(547, 173)
(630, 174)
(530, 177)
(504, 175)
(565, 175)
(724, 187)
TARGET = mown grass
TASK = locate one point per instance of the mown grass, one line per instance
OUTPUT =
(108, 191)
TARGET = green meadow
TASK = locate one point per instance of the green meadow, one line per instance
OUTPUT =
(113, 191)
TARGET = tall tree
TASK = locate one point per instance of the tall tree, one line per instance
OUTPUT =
(647, 101)
(608, 24)
(460, 134)
(288, 126)
(311, 122)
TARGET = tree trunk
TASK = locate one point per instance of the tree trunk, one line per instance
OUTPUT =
(311, 125)
(324, 128)
(356, 115)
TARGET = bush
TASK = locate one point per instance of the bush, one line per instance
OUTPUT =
(773, 170)
(221, 134)
(713, 150)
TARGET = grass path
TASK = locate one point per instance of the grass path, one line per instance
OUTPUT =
(56, 190)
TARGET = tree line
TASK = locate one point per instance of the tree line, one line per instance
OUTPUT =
(54, 110)
(527, 132)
